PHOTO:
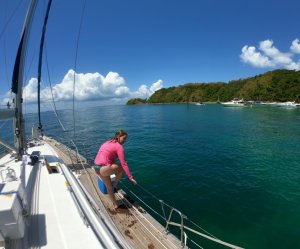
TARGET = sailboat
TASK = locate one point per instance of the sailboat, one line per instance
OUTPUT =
(50, 195)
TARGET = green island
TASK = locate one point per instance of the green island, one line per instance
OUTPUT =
(278, 85)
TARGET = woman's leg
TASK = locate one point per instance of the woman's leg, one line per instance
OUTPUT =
(105, 172)
(119, 173)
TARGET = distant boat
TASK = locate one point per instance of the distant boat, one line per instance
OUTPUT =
(288, 104)
(234, 103)
(199, 103)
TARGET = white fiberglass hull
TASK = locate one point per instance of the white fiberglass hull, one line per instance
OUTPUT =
(231, 104)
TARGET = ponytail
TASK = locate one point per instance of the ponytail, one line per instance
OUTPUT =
(119, 133)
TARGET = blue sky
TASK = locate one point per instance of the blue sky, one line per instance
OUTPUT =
(132, 48)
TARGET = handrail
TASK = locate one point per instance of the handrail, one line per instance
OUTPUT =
(168, 222)
(206, 236)
(183, 228)
(183, 234)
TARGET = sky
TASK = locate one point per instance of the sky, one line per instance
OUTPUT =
(120, 49)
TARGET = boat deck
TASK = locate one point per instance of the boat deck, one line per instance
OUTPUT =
(139, 228)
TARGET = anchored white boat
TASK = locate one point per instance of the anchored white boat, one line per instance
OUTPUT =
(234, 103)
(288, 104)
(49, 195)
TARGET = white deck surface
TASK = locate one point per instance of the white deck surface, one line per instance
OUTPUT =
(58, 219)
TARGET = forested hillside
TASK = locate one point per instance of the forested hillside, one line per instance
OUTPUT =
(278, 85)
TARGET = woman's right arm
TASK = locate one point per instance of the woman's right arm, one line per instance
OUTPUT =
(133, 181)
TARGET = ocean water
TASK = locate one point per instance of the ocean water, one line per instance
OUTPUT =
(233, 171)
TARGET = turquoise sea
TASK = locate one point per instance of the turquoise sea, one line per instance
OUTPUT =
(233, 171)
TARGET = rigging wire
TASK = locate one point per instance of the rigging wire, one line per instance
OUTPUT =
(3, 123)
(196, 243)
(75, 67)
(10, 18)
(73, 141)
(52, 95)
(4, 41)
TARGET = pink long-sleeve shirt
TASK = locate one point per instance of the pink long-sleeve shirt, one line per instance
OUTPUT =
(109, 152)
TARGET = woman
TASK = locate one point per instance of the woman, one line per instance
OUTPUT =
(106, 157)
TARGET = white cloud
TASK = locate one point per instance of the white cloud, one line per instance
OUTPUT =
(144, 92)
(270, 56)
(295, 47)
(30, 91)
(156, 86)
(272, 52)
(251, 56)
(89, 86)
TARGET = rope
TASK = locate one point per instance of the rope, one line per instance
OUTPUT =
(148, 192)
(144, 203)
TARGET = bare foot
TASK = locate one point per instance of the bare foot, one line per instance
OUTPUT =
(120, 207)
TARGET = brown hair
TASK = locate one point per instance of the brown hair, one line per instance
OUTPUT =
(120, 133)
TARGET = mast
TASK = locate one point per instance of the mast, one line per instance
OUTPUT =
(40, 127)
(17, 82)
